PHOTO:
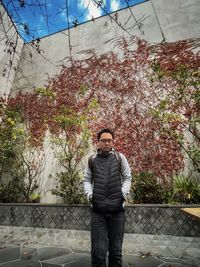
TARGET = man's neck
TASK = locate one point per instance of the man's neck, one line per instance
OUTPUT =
(104, 153)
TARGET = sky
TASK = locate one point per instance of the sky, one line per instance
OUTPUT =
(38, 18)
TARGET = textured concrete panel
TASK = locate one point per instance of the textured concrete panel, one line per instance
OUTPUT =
(173, 20)
(9, 42)
(178, 19)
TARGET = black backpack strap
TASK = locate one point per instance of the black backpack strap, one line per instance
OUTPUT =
(90, 162)
(117, 155)
(119, 159)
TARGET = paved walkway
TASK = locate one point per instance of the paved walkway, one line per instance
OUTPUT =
(25, 256)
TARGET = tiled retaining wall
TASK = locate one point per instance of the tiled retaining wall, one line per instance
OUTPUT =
(140, 219)
(164, 230)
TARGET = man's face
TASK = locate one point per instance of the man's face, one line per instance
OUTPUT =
(105, 142)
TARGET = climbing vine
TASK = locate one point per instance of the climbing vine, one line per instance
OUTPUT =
(148, 94)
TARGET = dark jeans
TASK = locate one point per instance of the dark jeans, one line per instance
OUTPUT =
(107, 231)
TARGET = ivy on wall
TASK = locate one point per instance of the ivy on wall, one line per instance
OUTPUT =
(149, 95)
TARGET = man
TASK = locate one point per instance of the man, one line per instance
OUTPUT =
(107, 181)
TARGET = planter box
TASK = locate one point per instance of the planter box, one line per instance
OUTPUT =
(161, 229)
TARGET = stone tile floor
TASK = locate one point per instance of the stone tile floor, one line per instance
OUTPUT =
(18, 255)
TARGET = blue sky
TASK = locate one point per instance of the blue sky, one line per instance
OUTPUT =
(38, 18)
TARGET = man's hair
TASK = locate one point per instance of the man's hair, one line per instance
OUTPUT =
(106, 130)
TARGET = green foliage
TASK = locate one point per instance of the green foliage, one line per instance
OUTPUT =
(18, 166)
(185, 190)
(70, 146)
(10, 136)
(69, 187)
(35, 197)
(179, 189)
(146, 189)
(178, 109)
(83, 89)
(159, 73)
(46, 92)
(17, 188)
(194, 154)
(12, 192)
(196, 96)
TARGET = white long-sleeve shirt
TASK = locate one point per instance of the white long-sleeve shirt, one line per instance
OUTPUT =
(125, 177)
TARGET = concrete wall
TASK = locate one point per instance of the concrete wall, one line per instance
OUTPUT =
(172, 20)
(8, 35)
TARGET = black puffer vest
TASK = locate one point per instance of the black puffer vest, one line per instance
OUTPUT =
(107, 191)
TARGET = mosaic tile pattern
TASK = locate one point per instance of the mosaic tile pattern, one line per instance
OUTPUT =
(146, 219)
(59, 257)
(45, 216)
(54, 246)
(161, 220)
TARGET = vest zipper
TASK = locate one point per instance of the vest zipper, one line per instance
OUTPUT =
(106, 185)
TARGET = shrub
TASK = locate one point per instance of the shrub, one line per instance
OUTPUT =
(146, 189)
(69, 187)
(12, 192)
(185, 190)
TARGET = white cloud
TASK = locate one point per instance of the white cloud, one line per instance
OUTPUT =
(41, 19)
(63, 16)
(93, 10)
(49, 4)
(114, 5)
(63, 13)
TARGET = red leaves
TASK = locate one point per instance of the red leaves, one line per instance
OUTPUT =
(173, 55)
(125, 97)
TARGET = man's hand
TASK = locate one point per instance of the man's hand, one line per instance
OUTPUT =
(90, 198)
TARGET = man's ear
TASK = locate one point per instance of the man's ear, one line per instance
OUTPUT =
(97, 144)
